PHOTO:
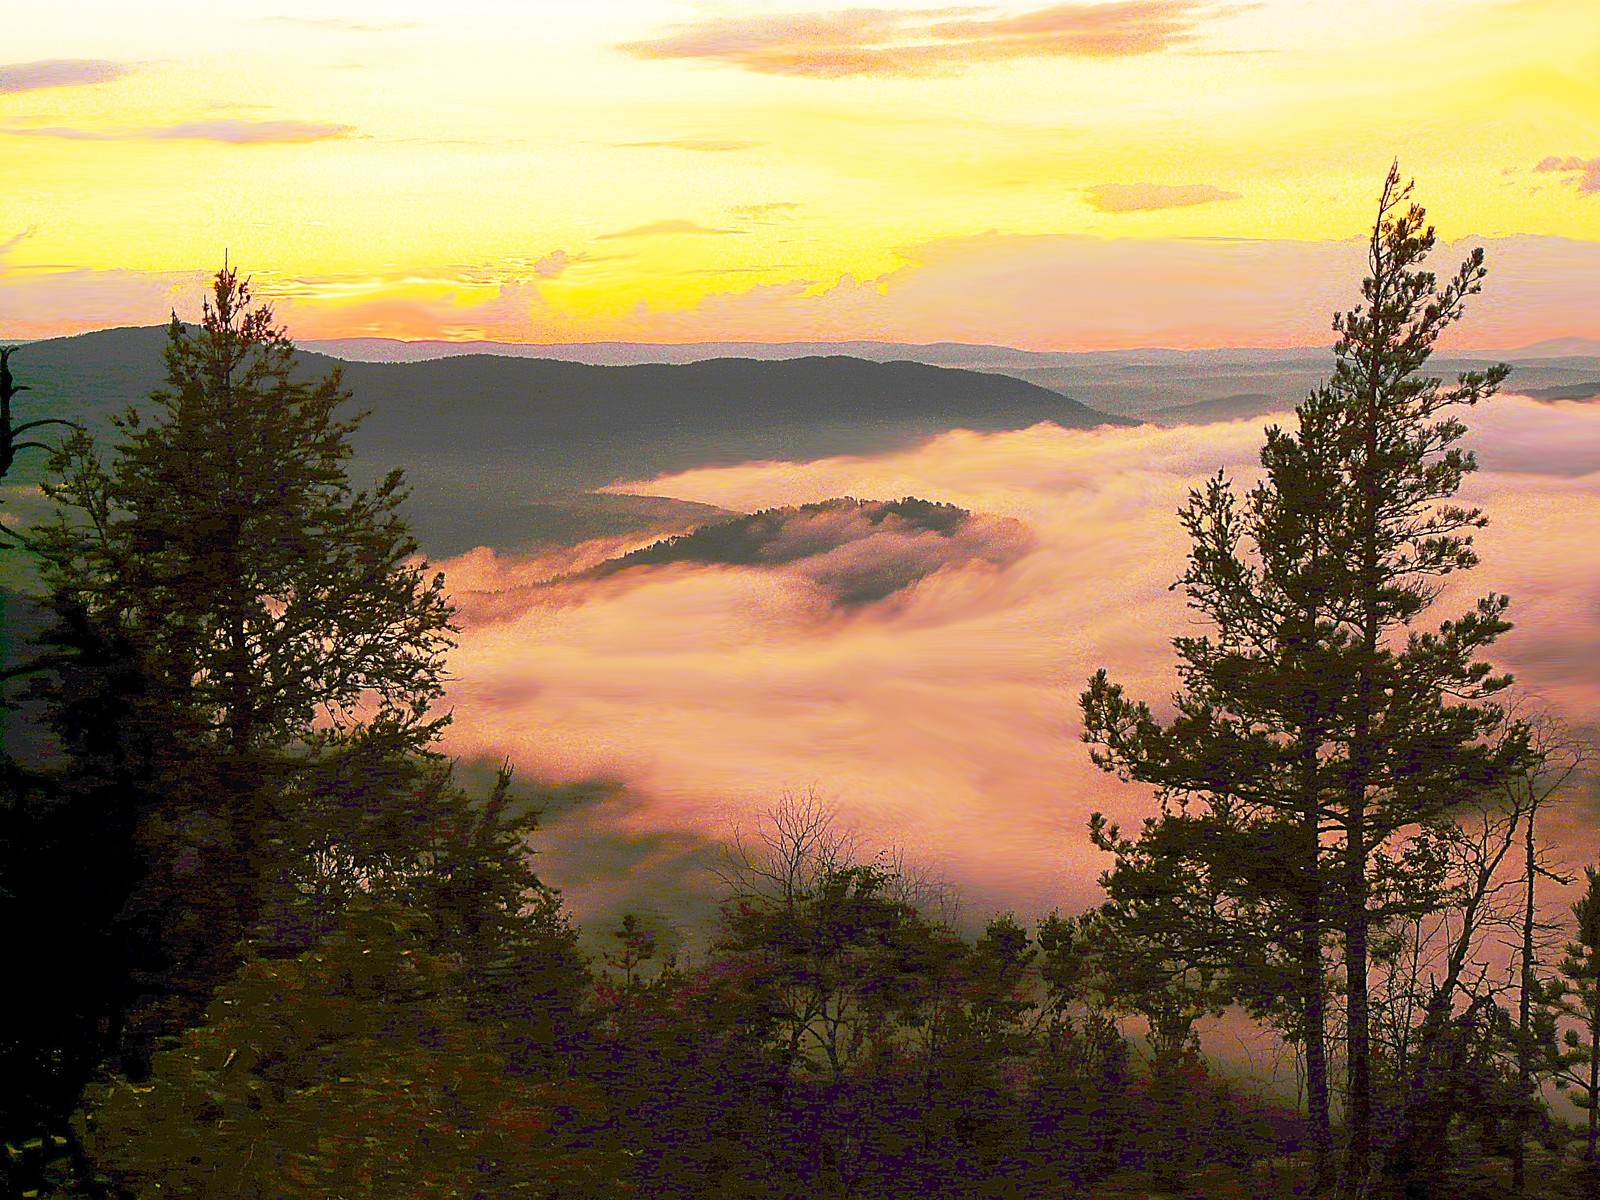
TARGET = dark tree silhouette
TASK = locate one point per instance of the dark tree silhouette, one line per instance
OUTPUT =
(279, 625)
(1317, 713)
(9, 432)
(1576, 1061)
(10, 539)
(61, 883)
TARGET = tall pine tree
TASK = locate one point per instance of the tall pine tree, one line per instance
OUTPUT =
(1316, 711)
(279, 623)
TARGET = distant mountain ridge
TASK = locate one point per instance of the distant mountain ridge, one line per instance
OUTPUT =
(520, 443)
(1138, 382)
(1588, 390)
(968, 354)
(1562, 347)
(102, 371)
(509, 451)
(546, 399)
(1223, 408)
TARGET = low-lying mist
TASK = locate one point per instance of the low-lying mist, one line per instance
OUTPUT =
(941, 717)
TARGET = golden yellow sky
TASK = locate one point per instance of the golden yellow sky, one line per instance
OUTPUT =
(1118, 173)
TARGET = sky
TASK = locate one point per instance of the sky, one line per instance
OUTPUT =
(1051, 176)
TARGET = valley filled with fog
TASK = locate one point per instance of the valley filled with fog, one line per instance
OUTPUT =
(943, 717)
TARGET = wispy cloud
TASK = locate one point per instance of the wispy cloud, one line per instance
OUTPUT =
(659, 228)
(772, 208)
(710, 145)
(230, 130)
(877, 41)
(15, 240)
(59, 72)
(552, 264)
(342, 24)
(1588, 172)
(1142, 197)
(43, 302)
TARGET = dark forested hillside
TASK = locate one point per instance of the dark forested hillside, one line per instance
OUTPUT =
(501, 450)
(857, 551)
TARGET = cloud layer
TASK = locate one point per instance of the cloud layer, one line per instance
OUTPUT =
(42, 303)
(1588, 173)
(230, 130)
(878, 41)
(59, 72)
(660, 228)
(1141, 197)
(1034, 292)
(945, 719)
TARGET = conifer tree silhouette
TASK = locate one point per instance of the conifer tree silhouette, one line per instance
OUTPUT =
(1317, 726)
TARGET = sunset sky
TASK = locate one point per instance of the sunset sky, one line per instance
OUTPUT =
(1051, 176)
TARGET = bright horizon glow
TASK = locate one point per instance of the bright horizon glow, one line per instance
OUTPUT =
(1071, 176)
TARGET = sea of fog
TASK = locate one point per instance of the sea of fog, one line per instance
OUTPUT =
(678, 703)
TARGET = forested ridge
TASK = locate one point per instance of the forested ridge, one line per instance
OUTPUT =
(264, 941)
(504, 451)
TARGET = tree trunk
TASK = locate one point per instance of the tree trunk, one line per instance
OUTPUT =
(1317, 1102)
(1313, 991)
(1358, 1112)
(1357, 919)
(1519, 1134)
(1594, 1071)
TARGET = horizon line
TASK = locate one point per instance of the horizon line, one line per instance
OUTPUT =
(999, 346)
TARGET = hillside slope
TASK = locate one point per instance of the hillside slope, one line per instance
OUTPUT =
(506, 451)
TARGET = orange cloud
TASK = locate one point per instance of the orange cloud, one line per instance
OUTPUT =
(709, 145)
(443, 309)
(660, 228)
(59, 72)
(1048, 292)
(43, 303)
(1033, 292)
(552, 264)
(232, 131)
(1141, 197)
(876, 41)
(1588, 172)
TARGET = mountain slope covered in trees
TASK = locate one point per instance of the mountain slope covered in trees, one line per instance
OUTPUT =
(504, 451)
(857, 551)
